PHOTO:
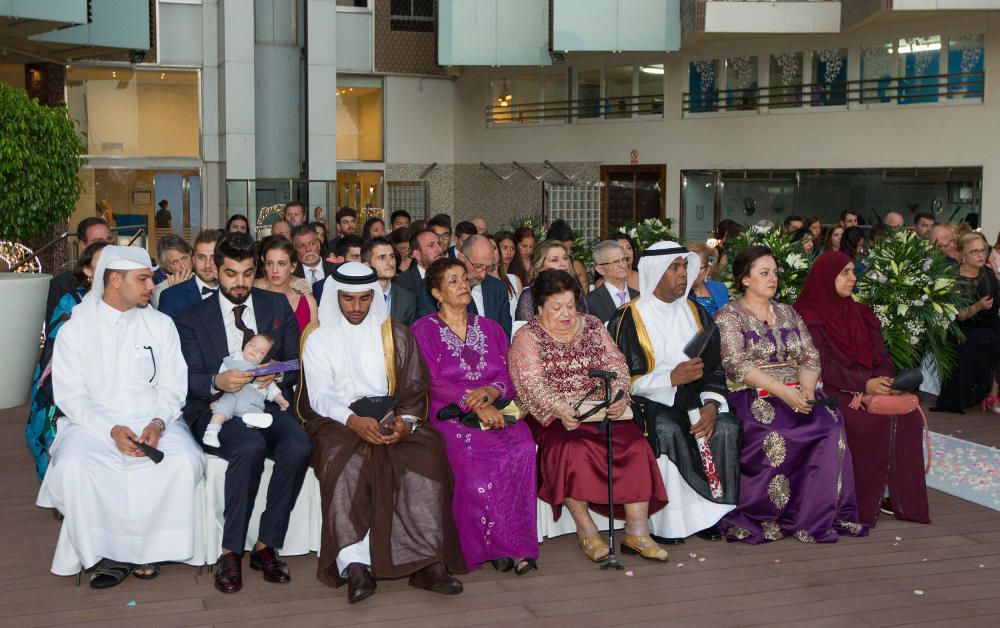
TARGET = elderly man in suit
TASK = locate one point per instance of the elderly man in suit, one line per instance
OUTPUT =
(309, 250)
(611, 262)
(205, 282)
(489, 295)
(379, 255)
(209, 331)
(425, 247)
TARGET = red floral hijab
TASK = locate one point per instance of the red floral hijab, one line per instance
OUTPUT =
(847, 323)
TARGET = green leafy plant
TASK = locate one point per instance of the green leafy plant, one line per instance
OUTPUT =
(648, 232)
(793, 262)
(40, 155)
(912, 289)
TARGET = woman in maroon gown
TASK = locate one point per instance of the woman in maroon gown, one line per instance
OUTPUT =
(886, 449)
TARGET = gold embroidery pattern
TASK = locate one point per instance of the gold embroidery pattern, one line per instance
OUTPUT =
(737, 532)
(779, 491)
(841, 445)
(772, 531)
(762, 411)
(774, 448)
(850, 526)
(804, 536)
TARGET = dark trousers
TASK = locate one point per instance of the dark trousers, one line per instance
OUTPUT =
(245, 448)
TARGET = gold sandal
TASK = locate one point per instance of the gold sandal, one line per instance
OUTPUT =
(594, 547)
(643, 546)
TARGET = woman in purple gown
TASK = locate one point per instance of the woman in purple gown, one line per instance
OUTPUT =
(796, 477)
(494, 466)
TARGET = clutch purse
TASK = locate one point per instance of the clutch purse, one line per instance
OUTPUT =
(589, 415)
(896, 404)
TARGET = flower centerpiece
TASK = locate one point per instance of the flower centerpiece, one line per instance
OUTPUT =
(646, 233)
(910, 286)
(793, 261)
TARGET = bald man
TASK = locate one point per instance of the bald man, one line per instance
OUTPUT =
(894, 220)
(943, 237)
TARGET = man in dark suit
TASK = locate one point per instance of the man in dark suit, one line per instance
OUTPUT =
(611, 262)
(425, 247)
(308, 250)
(209, 331)
(205, 282)
(89, 230)
(489, 295)
(379, 255)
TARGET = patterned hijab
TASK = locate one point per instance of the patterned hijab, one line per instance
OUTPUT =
(847, 323)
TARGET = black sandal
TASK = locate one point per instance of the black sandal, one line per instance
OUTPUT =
(154, 569)
(524, 566)
(504, 564)
(108, 573)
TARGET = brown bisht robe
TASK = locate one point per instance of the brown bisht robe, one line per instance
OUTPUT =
(401, 493)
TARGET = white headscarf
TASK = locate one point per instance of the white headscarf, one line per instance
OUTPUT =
(352, 277)
(652, 266)
(116, 258)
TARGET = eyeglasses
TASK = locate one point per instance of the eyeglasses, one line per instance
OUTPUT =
(482, 267)
(977, 251)
(621, 260)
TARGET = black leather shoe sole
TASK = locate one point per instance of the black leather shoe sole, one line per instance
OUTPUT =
(665, 541)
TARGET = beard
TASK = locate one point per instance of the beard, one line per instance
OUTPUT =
(237, 300)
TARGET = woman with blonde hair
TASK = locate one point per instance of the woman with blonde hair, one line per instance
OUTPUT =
(548, 255)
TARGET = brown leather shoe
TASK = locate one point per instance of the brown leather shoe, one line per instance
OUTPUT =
(434, 577)
(360, 583)
(229, 575)
(266, 560)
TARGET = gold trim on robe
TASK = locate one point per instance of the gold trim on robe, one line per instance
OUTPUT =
(310, 328)
(389, 353)
(642, 336)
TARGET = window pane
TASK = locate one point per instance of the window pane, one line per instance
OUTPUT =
(786, 80)
(877, 73)
(124, 112)
(703, 87)
(919, 63)
(741, 83)
(359, 119)
(699, 205)
(651, 89)
(618, 92)
(555, 96)
(501, 99)
(829, 77)
(527, 96)
(965, 67)
(412, 15)
(588, 94)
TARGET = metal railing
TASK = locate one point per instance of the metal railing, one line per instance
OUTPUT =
(68, 236)
(900, 90)
(621, 108)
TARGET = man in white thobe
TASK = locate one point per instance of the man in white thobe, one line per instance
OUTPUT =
(680, 401)
(119, 378)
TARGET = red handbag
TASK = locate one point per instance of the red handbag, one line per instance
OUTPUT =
(895, 404)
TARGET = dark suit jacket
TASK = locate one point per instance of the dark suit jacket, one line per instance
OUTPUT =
(403, 306)
(176, 298)
(602, 305)
(327, 269)
(412, 281)
(204, 345)
(495, 303)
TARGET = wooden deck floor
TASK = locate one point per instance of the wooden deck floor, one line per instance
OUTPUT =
(955, 563)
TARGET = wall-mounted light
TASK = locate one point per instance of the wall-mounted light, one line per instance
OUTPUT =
(653, 69)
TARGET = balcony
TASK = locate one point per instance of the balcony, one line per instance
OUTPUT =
(866, 12)
(900, 90)
(701, 18)
(563, 111)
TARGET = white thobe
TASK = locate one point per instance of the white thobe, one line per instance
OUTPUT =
(121, 368)
(342, 368)
(670, 328)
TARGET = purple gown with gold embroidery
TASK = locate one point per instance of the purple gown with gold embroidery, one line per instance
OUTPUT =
(494, 501)
(796, 477)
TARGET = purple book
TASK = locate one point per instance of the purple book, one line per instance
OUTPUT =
(277, 367)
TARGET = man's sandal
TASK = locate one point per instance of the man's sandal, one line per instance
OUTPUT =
(108, 573)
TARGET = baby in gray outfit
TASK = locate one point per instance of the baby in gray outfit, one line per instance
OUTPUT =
(248, 400)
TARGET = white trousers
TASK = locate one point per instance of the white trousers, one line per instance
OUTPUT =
(357, 553)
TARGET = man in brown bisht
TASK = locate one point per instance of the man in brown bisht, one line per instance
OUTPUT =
(384, 478)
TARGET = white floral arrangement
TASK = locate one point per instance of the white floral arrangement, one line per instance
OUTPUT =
(648, 232)
(793, 262)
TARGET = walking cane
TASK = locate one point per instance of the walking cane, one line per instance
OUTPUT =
(611, 562)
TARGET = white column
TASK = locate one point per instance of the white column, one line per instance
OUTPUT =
(321, 79)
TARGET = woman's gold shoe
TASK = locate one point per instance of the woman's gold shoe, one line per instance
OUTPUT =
(643, 546)
(595, 548)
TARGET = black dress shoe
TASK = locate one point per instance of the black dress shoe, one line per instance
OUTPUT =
(709, 534)
(434, 577)
(267, 561)
(360, 583)
(667, 541)
(229, 575)
(504, 564)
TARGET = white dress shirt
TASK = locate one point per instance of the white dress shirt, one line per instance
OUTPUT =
(614, 292)
(313, 273)
(477, 298)
(234, 337)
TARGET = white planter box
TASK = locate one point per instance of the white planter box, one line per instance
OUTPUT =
(22, 308)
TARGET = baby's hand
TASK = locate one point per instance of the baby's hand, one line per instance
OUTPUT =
(282, 402)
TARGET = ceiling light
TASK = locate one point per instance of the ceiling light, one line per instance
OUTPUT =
(114, 75)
